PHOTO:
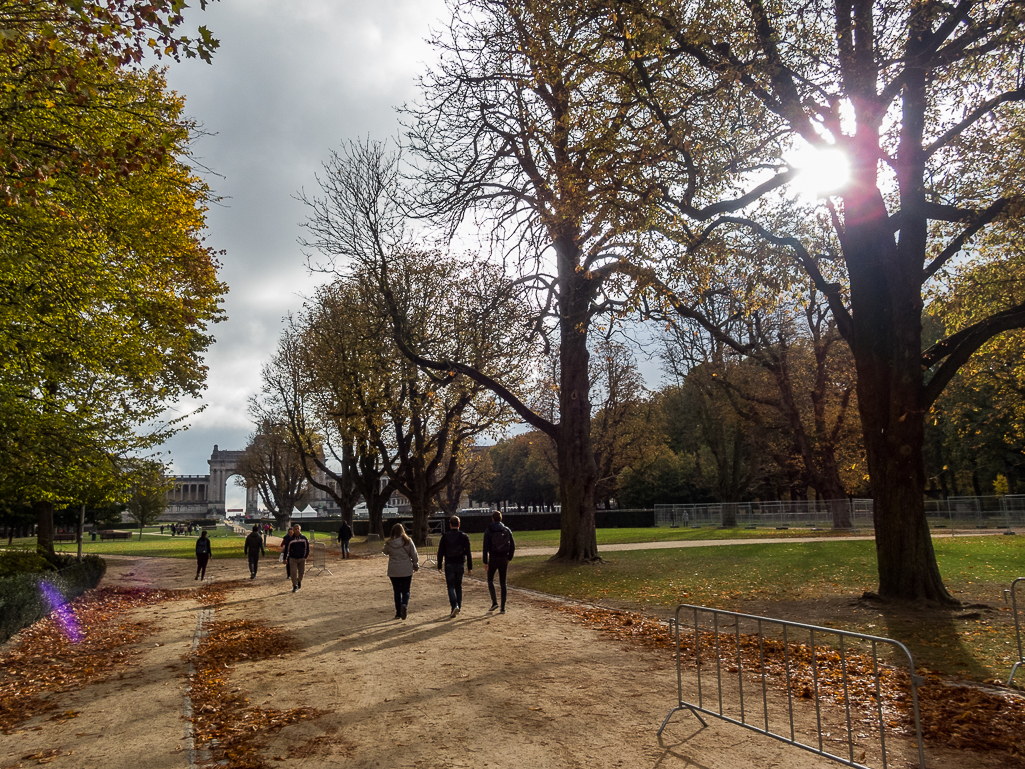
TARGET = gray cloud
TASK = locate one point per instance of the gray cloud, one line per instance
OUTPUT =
(289, 83)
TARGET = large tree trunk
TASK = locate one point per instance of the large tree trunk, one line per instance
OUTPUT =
(886, 342)
(578, 472)
(44, 531)
(421, 513)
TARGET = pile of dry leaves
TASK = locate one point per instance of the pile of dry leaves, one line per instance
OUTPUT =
(223, 720)
(958, 715)
(45, 661)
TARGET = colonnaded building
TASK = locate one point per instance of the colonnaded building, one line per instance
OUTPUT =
(203, 496)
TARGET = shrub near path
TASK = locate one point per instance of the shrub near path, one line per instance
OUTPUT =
(536, 687)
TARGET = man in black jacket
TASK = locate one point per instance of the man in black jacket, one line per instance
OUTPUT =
(454, 550)
(499, 547)
(296, 553)
(253, 548)
(344, 535)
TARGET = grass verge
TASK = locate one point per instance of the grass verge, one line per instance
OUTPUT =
(819, 583)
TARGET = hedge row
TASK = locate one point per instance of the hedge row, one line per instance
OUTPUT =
(22, 598)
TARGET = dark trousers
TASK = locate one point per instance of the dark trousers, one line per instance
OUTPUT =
(345, 548)
(501, 565)
(254, 561)
(454, 582)
(400, 587)
(201, 561)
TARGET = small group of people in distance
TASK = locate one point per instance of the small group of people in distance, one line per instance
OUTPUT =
(454, 557)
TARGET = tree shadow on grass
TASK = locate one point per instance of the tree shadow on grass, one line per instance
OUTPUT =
(939, 639)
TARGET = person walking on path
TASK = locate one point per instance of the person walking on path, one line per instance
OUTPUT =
(454, 551)
(499, 547)
(253, 548)
(298, 550)
(344, 535)
(289, 535)
(203, 553)
(402, 562)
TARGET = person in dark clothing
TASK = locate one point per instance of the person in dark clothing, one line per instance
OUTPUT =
(499, 547)
(344, 535)
(203, 553)
(253, 548)
(454, 552)
(298, 550)
(289, 535)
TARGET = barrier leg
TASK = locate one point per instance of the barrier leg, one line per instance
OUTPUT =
(675, 710)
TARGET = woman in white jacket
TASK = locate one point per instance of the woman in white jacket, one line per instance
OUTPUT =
(402, 562)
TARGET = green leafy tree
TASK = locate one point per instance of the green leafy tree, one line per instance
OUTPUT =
(105, 301)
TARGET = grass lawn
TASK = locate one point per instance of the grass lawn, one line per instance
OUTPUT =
(818, 583)
(651, 534)
(223, 543)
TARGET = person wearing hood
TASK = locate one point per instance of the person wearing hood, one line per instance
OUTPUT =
(454, 552)
(402, 562)
(499, 547)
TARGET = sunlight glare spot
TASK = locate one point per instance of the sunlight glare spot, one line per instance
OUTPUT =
(822, 172)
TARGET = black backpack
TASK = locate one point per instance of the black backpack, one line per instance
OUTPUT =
(501, 541)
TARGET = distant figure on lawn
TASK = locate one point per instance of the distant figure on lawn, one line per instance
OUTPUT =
(402, 562)
(344, 535)
(454, 552)
(253, 548)
(295, 556)
(499, 547)
(203, 553)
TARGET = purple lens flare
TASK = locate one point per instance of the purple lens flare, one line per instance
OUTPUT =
(60, 611)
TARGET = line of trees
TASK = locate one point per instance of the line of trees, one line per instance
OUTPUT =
(625, 158)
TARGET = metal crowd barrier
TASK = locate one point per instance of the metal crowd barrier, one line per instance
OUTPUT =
(740, 667)
(1017, 626)
(318, 558)
(429, 552)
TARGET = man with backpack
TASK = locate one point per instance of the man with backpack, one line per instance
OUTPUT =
(454, 552)
(499, 547)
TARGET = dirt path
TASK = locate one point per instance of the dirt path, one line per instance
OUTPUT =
(535, 687)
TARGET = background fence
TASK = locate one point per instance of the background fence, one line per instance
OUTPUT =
(831, 513)
(1004, 512)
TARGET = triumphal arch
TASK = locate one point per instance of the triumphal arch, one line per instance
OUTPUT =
(203, 496)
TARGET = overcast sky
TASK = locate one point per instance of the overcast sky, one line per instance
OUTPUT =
(289, 83)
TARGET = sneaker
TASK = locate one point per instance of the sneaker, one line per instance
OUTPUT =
(294, 589)
(398, 616)
(455, 613)
(403, 611)
(493, 607)
(502, 611)
(300, 584)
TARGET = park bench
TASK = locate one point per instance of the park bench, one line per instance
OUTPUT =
(65, 537)
(115, 535)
